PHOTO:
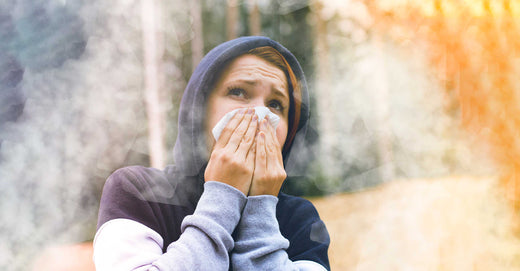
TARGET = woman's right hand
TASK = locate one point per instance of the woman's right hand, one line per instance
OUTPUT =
(232, 160)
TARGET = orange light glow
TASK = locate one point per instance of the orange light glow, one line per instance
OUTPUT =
(474, 45)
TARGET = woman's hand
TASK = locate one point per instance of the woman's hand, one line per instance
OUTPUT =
(269, 172)
(232, 160)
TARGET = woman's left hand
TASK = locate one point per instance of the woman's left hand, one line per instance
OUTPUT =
(269, 172)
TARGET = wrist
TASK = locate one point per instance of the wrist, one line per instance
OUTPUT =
(259, 190)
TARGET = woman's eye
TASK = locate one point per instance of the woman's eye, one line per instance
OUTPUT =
(276, 105)
(237, 92)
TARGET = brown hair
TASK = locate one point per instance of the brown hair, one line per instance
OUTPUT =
(274, 57)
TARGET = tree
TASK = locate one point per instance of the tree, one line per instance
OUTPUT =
(255, 23)
(197, 42)
(152, 81)
(232, 19)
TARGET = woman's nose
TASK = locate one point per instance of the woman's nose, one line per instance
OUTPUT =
(257, 102)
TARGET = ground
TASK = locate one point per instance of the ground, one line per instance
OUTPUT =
(457, 223)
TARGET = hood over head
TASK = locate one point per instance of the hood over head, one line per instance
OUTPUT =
(190, 151)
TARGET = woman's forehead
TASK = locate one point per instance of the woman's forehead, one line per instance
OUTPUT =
(253, 69)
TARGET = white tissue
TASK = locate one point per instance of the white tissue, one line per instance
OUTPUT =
(261, 112)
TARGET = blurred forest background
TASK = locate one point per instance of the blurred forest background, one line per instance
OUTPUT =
(404, 93)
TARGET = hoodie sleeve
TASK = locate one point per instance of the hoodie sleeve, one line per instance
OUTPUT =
(259, 244)
(204, 243)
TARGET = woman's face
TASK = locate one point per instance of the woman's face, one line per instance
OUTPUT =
(249, 81)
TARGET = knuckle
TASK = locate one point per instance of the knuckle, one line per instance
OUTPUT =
(215, 154)
(234, 163)
(283, 175)
(223, 156)
(276, 144)
(262, 179)
(247, 138)
(227, 129)
(239, 165)
(271, 147)
(244, 170)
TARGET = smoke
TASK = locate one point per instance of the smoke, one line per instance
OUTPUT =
(381, 113)
(76, 70)
(82, 117)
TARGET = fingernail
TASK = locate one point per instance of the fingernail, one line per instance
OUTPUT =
(249, 111)
(255, 117)
(264, 123)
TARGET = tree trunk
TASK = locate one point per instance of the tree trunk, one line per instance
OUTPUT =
(152, 51)
(197, 43)
(232, 19)
(255, 22)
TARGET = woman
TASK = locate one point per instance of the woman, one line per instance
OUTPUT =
(219, 206)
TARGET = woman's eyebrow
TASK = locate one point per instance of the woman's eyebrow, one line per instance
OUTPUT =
(245, 81)
(275, 90)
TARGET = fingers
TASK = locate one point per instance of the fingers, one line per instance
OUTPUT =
(260, 155)
(272, 145)
(245, 145)
(240, 131)
(251, 156)
(268, 174)
(227, 132)
(274, 158)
